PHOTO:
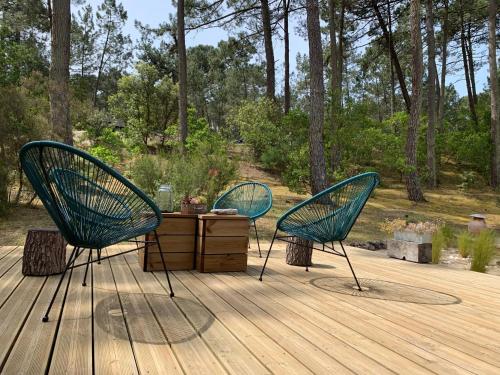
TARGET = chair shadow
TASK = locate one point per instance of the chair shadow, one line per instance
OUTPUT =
(136, 310)
(384, 290)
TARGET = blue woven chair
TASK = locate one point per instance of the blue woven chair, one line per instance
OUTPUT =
(92, 205)
(328, 216)
(252, 199)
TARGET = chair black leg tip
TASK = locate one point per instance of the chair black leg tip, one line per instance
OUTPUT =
(84, 284)
(45, 319)
(99, 262)
(260, 278)
(172, 294)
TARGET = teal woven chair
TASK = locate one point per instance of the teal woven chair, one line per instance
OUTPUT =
(92, 205)
(328, 216)
(252, 199)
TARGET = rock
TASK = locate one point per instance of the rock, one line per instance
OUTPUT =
(369, 245)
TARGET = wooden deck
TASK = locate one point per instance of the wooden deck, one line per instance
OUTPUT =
(413, 319)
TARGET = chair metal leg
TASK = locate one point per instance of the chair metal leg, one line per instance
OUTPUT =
(269, 252)
(92, 305)
(164, 264)
(257, 236)
(350, 266)
(84, 282)
(99, 256)
(72, 258)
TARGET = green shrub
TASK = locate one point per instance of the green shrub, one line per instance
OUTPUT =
(483, 250)
(465, 243)
(438, 243)
(449, 235)
(104, 154)
(148, 172)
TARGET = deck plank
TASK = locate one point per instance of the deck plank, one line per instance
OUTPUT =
(269, 352)
(113, 350)
(152, 352)
(73, 349)
(13, 314)
(9, 282)
(232, 323)
(314, 358)
(444, 343)
(9, 260)
(192, 352)
(31, 352)
(337, 341)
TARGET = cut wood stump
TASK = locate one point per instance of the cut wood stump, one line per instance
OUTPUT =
(299, 252)
(44, 252)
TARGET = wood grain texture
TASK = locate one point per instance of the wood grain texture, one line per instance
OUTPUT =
(173, 261)
(222, 263)
(232, 323)
(223, 245)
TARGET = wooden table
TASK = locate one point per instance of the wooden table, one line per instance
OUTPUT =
(222, 244)
(177, 235)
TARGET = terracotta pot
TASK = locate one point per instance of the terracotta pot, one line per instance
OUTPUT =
(477, 224)
(193, 208)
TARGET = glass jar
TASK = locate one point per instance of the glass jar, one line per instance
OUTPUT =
(165, 199)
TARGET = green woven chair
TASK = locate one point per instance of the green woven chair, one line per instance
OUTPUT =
(328, 216)
(92, 205)
(252, 199)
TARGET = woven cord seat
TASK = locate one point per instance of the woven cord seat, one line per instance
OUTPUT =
(92, 205)
(328, 216)
(251, 199)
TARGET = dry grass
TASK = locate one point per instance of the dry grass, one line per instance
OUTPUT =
(445, 203)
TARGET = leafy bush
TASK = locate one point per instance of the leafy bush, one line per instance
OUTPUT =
(467, 180)
(449, 234)
(148, 172)
(104, 154)
(483, 250)
(465, 243)
(438, 243)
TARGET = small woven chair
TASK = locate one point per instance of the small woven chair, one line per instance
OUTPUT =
(92, 205)
(328, 216)
(252, 199)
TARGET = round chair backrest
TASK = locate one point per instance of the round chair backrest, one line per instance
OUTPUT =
(89, 202)
(252, 199)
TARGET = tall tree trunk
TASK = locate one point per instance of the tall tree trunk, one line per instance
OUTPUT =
(334, 92)
(431, 95)
(101, 66)
(470, 57)
(412, 181)
(317, 95)
(444, 56)
(393, 54)
(393, 83)
(472, 105)
(59, 71)
(268, 46)
(495, 125)
(182, 62)
(286, 5)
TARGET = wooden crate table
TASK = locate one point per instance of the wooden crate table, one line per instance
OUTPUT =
(177, 235)
(222, 243)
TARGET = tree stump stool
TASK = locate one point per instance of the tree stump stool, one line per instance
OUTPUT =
(299, 252)
(44, 253)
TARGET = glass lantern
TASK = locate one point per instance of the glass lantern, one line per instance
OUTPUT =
(165, 199)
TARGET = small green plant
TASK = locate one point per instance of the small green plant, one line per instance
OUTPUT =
(467, 180)
(148, 172)
(438, 243)
(483, 250)
(449, 234)
(465, 243)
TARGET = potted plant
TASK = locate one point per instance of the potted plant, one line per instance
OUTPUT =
(418, 232)
(193, 205)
